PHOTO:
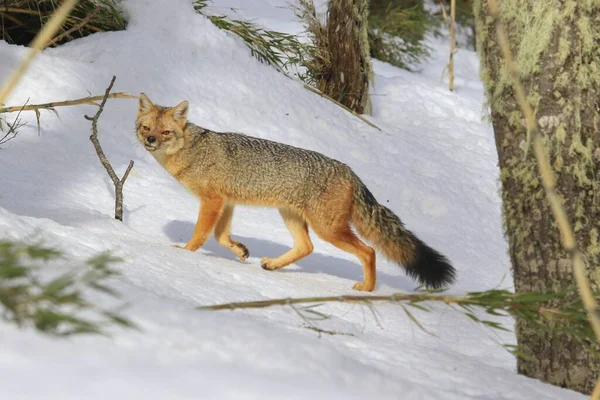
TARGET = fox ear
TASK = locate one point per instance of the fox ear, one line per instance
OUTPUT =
(180, 111)
(145, 104)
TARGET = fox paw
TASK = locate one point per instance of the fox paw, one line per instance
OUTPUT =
(242, 252)
(268, 264)
(361, 286)
(182, 247)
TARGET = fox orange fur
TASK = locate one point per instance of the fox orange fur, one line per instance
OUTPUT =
(308, 188)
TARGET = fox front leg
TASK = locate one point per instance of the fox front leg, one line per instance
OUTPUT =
(210, 211)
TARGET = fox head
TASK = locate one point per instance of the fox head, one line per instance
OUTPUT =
(161, 129)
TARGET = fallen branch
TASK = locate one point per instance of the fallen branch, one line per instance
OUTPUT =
(357, 115)
(327, 332)
(111, 173)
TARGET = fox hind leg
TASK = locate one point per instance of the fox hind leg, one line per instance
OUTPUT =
(302, 243)
(342, 237)
(223, 231)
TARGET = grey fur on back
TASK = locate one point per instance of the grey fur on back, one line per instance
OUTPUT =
(261, 167)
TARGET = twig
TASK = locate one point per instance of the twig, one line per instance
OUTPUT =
(11, 18)
(549, 181)
(74, 28)
(37, 45)
(444, 13)
(111, 173)
(327, 332)
(357, 115)
(450, 21)
(13, 129)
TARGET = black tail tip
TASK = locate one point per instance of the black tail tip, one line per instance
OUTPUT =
(431, 268)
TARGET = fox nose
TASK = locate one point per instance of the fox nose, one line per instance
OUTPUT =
(151, 139)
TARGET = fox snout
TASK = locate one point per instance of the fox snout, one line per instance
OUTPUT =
(148, 138)
(150, 142)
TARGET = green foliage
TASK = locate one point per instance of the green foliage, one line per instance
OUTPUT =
(21, 20)
(278, 49)
(397, 31)
(550, 311)
(316, 58)
(55, 305)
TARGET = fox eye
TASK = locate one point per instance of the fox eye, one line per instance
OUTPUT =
(146, 128)
(165, 133)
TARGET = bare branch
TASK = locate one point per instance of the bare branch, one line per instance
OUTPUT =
(109, 169)
(357, 115)
(444, 13)
(91, 100)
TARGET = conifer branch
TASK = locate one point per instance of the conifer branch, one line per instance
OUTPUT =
(496, 303)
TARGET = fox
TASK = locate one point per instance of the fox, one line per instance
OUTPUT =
(225, 169)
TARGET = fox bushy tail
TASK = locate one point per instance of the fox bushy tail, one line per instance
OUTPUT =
(381, 227)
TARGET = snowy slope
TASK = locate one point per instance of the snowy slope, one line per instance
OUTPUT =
(434, 163)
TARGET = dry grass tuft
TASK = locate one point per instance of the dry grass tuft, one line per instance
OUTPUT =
(21, 20)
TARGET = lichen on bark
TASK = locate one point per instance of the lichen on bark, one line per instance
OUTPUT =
(556, 44)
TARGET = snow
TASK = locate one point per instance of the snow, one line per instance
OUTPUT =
(434, 163)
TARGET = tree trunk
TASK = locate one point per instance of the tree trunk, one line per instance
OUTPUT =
(556, 47)
(348, 81)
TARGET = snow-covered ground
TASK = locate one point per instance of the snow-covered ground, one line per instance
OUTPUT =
(434, 163)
